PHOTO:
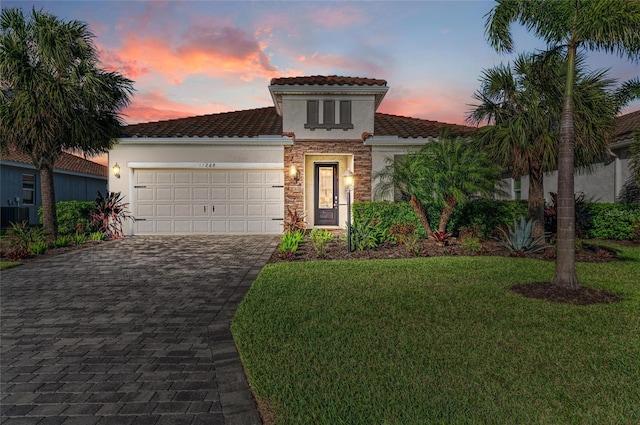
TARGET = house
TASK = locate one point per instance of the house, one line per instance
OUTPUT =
(242, 172)
(75, 178)
(607, 181)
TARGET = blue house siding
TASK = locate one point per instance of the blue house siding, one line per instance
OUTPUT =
(68, 186)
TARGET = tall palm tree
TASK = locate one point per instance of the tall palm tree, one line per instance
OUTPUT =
(522, 106)
(595, 25)
(443, 173)
(635, 157)
(54, 98)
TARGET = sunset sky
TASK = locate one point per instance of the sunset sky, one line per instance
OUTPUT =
(201, 57)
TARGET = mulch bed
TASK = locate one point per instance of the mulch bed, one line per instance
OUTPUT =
(589, 252)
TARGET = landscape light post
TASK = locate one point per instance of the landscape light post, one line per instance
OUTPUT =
(348, 185)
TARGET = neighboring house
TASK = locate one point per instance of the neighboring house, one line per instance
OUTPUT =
(241, 172)
(75, 178)
(606, 180)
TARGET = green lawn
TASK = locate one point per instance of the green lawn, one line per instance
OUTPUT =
(440, 340)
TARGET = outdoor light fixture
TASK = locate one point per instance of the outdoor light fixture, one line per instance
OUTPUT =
(116, 170)
(348, 185)
(293, 172)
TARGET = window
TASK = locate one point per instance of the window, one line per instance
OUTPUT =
(28, 189)
(517, 189)
(328, 115)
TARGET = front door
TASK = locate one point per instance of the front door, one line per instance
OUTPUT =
(326, 194)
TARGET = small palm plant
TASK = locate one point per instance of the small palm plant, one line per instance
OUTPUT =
(519, 239)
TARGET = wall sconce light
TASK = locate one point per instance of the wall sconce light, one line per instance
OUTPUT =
(295, 175)
(116, 170)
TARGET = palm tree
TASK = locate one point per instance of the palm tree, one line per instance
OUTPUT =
(635, 157)
(54, 98)
(443, 173)
(594, 25)
(523, 106)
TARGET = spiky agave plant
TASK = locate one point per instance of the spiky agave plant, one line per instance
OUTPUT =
(519, 239)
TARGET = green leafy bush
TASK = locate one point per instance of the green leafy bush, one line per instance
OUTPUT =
(62, 241)
(289, 243)
(320, 238)
(612, 221)
(79, 238)
(96, 236)
(367, 235)
(519, 239)
(386, 214)
(38, 248)
(470, 244)
(72, 216)
(21, 236)
(485, 216)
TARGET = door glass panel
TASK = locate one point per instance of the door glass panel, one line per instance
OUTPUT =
(325, 187)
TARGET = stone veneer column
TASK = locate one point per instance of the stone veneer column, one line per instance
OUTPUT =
(294, 155)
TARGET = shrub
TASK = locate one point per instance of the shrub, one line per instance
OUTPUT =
(289, 243)
(386, 214)
(62, 241)
(294, 221)
(519, 240)
(484, 216)
(470, 244)
(72, 216)
(399, 232)
(38, 248)
(96, 236)
(367, 235)
(80, 238)
(612, 221)
(320, 238)
(109, 214)
(21, 236)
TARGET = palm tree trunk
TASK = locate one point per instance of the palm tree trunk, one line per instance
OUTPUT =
(536, 200)
(565, 275)
(446, 214)
(422, 217)
(48, 198)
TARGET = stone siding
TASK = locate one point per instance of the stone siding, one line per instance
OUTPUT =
(294, 155)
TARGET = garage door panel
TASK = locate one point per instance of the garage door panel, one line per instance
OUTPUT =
(164, 210)
(200, 193)
(182, 194)
(164, 226)
(182, 226)
(145, 194)
(219, 193)
(209, 201)
(182, 178)
(182, 210)
(164, 178)
(236, 193)
(237, 177)
(164, 194)
(255, 193)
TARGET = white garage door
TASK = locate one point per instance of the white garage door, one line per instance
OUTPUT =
(208, 201)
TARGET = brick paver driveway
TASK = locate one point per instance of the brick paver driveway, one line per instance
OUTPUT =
(134, 331)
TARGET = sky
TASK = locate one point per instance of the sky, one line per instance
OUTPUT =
(200, 57)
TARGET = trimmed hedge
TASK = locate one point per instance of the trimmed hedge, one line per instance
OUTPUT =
(72, 215)
(484, 214)
(613, 221)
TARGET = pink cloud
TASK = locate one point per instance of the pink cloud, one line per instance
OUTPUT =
(155, 106)
(338, 17)
(331, 62)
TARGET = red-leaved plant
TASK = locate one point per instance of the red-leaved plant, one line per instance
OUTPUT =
(441, 238)
(109, 214)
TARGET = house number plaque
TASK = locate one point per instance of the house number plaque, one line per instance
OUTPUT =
(207, 165)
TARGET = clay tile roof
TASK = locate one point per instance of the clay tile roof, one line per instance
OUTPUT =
(67, 162)
(406, 127)
(248, 123)
(625, 125)
(327, 80)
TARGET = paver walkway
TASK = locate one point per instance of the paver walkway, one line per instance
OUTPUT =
(134, 331)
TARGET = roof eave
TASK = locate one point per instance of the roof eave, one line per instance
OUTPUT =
(263, 140)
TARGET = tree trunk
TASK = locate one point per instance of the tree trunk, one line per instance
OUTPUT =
(48, 197)
(422, 217)
(536, 200)
(565, 275)
(446, 214)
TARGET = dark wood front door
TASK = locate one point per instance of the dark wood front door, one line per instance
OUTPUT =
(325, 194)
